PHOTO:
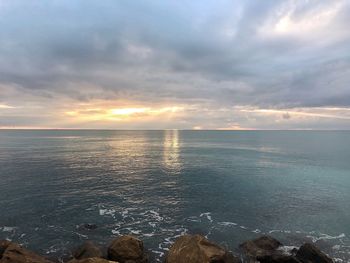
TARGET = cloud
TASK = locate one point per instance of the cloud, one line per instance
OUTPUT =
(205, 55)
(286, 116)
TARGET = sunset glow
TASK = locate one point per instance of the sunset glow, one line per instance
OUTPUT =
(128, 111)
(87, 113)
(230, 65)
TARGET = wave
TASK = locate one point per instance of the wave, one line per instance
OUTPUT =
(161, 231)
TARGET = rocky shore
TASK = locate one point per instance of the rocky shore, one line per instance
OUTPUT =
(186, 249)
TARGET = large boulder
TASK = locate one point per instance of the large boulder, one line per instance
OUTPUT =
(87, 250)
(91, 260)
(127, 249)
(16, 254)
(260, 247)
(197, 249)
(309, 253)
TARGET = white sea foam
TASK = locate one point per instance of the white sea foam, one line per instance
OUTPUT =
(227, 224)
(103, 211)
(209, 233)
(135, 232)
(281, 231)
(273, 231)
(193, 219)
(336, 247)
(8, 229)
(160, 253)
(80, 235)
(286, 249)
(156, 216)
(207, 215)
(56, 248)
(115, 232)
(125, 213)
(51, 249)
(148, 234)
(325, 237)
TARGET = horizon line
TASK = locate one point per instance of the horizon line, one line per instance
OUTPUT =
(220, 129)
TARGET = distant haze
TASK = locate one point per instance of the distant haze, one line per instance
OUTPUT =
(175, 64)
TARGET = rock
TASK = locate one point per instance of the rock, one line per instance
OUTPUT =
(309, 253)
(260, 247)
(294, 251)
(277, 259)
(87, 227)
(127, 249)
(90, 226)
(16, 254)
(197, 249)
(87, 250)
(3, 245)
(91, 260)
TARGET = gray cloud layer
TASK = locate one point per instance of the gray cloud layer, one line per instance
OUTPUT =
(265, 54)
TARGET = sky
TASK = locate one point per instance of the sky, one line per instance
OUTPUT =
(166, 64)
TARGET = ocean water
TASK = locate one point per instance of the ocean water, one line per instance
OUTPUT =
(227, 185)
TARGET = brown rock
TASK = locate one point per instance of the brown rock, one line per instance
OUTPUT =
(197, 249)
(262, 246)
(3, 245)
(127, 249)
(87, 250)
(309, 253)
(16, 254)
(91, 260)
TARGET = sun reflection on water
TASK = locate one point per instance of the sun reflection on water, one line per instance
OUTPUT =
(171, 151)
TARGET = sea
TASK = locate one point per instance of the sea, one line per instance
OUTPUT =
(59, 188)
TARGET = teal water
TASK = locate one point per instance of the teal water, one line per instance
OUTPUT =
(227, 185)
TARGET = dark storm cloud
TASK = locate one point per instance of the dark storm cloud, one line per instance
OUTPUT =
(272, 54)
